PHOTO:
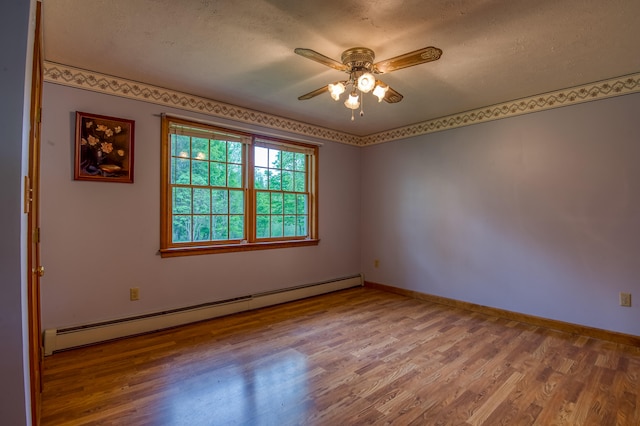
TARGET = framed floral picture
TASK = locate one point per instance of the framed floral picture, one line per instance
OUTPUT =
(104, 148)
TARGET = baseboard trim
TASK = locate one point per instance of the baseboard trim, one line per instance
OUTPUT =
(72, 337)
(597, 333)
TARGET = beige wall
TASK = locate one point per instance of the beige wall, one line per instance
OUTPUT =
(100, 239)
(537, 214)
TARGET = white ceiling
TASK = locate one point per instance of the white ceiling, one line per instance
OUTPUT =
(241, 52)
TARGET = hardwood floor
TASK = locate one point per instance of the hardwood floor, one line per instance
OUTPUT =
(358, 356)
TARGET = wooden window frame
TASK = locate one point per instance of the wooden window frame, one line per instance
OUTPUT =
(170, 249)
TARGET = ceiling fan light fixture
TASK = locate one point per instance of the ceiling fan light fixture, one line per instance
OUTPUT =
(336, 90)
(366, 82)
(352, 102)
(380, 91)
(359, 64)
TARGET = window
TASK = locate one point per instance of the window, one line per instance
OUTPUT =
(225, 190)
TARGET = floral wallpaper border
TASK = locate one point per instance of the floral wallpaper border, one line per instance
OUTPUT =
(89, 80)
(560, 98)
(83, 79)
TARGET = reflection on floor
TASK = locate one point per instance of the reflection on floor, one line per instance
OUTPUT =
(234, 393)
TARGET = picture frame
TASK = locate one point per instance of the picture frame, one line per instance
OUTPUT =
(104, 148)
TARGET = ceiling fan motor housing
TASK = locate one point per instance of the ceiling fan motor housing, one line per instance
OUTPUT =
(358, 58)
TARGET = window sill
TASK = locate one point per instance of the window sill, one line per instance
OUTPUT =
(230, 248)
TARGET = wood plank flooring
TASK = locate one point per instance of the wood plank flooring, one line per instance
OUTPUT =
(358, 356)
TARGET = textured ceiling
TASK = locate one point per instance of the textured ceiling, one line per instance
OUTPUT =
(241, 52)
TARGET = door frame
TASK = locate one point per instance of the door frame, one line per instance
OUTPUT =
(32, 209)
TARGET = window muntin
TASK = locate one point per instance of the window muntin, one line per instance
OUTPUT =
(227, 191)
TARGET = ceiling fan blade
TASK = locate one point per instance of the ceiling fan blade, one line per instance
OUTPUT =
(410, 59)
(318, 57)
(313, 94)
(392, 96)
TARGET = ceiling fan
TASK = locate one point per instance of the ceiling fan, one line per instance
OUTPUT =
(358, 63)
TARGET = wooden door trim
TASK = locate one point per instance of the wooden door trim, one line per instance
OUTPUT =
(32, 210)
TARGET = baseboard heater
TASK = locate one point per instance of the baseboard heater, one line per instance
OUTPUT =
(72, 337)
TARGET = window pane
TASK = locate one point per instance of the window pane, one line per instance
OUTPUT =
(180, 146)
(274, 159)
(218, 151)
(261, 157)
(289, 204)
(181, 229)
(262, 226)
(220, 201)
(200, 148)
(236, 202)
(235, 176)
(287, 160)
(263, 203)
(236, 227)
(220, 227)
(181, 200)
(218, 174)
(199, 172)
(300, 161)
(275, 183)
(202, 200)
(287, 181)
(276, 203)
(301, 203)
(260, 178)
(300, 181)
(180, 171)
(302, 230)
(201, 228)
(276, 226)
(289, 226)
(235, 152)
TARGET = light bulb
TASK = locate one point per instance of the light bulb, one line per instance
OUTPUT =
(366, 82)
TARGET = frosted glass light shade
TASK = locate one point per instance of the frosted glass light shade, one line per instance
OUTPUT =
(366, 82)
(336, 90)
(380, 91)
(352, 102)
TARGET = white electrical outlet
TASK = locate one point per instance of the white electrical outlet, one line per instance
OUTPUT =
(625, 299)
